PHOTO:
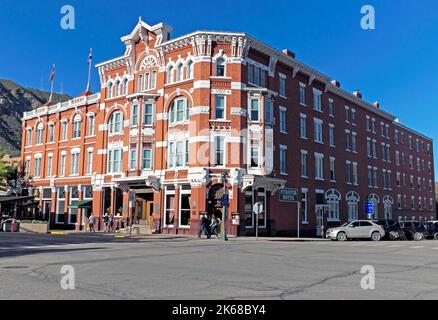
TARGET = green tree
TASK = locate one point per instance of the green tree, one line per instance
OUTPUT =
(7, 171)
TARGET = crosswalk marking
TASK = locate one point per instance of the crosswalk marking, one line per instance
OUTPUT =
(416, 247)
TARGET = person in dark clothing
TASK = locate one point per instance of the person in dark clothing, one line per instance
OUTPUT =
(214, 224)
(106, 221)
(204, 228)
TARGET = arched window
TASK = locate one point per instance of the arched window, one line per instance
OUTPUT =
(333, 197)
(179, 72)
(139, 82)
(172, 113)
(116, 123)
(353, 199)
(91, 124)
(387, 207)
(39, 133)
(375, 200)
(77, 120)
(220, 67)
(117, 88)
(109, 90)
(189, 70)
(125, 86)
(28, 137)
(170, 75)
(51, 127)
(179, 110)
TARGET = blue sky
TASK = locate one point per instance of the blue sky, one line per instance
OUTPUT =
(396, 64)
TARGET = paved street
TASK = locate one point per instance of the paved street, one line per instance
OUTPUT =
(110, 268)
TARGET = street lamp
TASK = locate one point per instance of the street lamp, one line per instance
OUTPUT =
(225, 204)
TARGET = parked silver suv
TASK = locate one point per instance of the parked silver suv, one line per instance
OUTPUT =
(359, 229)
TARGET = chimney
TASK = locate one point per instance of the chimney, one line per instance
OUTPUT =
(357, 94)
(289, 53)
(376, 105)
(336, 83)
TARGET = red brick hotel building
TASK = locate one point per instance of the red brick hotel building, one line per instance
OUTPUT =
(173, 115)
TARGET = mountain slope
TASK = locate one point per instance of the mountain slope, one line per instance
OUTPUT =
(14, 100)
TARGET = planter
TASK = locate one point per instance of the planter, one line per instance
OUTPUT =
(34, 227)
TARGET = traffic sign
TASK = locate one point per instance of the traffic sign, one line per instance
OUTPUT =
(257, 208)
(289, 195)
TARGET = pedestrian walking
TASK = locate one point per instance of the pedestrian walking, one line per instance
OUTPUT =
(91, 221)
(110, 224)
(106, 221)
(214, 226)
(204, 227)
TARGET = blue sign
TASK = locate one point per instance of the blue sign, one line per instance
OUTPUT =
(369, 207)
(225, 200)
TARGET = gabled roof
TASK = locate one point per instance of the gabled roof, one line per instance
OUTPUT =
(142, 28)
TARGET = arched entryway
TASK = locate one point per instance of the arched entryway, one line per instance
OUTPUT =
(214, 201)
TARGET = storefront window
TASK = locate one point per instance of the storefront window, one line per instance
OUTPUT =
(184, 218)
(87, 192)
(250, 199)
(73, 212)
(169, 218)
(60, 205)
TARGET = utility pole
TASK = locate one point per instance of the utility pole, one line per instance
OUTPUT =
(225, 204)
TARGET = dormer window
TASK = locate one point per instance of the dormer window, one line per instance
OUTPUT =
(220, 67)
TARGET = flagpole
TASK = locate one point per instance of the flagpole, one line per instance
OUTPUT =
(52, 80)
(51, 91)
(89, 70)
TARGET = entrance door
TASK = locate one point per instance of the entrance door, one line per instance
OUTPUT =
(150, 212)
(46, 210)
(319, 220)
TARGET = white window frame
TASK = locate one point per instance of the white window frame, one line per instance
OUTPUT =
(318, 135)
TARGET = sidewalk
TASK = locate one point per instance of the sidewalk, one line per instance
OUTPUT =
(280, 239)
(176, 236)
(116, 235)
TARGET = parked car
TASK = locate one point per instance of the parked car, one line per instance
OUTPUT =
(414, 230)
(393, 230)
(432, 229)
(359, 229)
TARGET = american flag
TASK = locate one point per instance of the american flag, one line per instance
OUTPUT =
(90, 57)
(52, 74)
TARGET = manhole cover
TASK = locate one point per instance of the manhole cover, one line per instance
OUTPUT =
(15, 267)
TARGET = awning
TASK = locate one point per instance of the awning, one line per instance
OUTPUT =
(75, 204)
(268, 183)
(15, 199)
(29, 203)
